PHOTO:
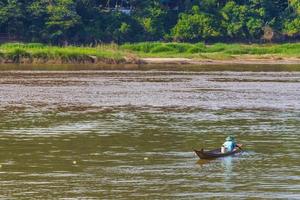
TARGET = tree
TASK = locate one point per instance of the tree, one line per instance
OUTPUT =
(295, 4)
(240, 21)
(292, 23)
(153, 23)
(195, 26)
(11, 17)
(234, 17)
(255, 27)
(62, 20)
(35, 22)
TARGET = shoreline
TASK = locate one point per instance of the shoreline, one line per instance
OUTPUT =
(164, 64)
(159, 61)
(236, 61)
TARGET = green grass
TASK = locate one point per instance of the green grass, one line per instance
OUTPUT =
(35, 52)
(199, 50)
(112, 53)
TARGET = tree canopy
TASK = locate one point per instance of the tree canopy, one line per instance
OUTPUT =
(96, 21)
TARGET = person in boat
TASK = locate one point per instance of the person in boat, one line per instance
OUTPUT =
(229, 144)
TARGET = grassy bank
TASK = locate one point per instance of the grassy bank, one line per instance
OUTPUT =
(40, 53)
(133, 53)
(216, 51)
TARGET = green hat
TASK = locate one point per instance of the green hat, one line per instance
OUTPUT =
(230, 138)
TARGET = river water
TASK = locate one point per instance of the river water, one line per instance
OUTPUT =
(131, 134)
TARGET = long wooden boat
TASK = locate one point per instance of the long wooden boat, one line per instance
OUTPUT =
(216, 153)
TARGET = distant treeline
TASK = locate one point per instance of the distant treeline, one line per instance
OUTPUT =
(97, 21)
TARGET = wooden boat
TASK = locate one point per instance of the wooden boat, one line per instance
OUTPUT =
(216, 153)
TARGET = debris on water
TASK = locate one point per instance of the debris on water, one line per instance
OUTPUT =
(74, 162)
(146, 158)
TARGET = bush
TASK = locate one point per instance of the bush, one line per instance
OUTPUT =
(197, 48)
(216, 48)
(179, 47)
(17, 54)
(1, 55)
(235, 49)
(22, 45)
(162, 48)
(41, 55)
(12, 45)
(34, 45)
(145, 47)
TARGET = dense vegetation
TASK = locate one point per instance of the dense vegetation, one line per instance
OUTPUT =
(96, 21)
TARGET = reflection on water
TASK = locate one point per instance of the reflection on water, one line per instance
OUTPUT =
(130, 134)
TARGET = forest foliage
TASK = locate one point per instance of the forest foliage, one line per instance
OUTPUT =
(121, 21)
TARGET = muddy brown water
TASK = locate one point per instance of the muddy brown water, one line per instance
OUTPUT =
(130, 134)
